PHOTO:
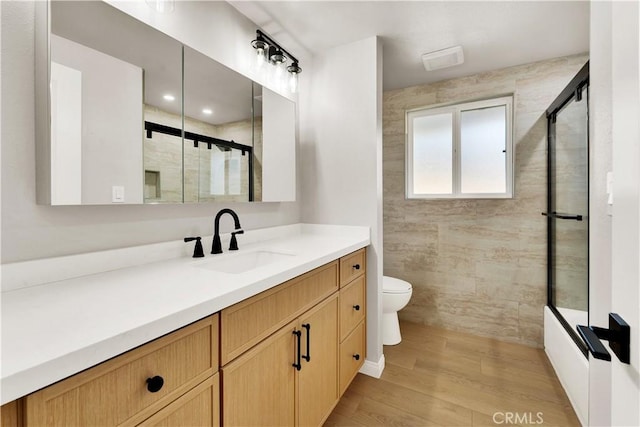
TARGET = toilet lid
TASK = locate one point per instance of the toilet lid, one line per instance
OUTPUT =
(391, 285)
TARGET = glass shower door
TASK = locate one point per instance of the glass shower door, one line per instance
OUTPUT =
(568, 211)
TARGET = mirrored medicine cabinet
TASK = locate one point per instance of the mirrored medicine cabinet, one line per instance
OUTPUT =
(128, 115)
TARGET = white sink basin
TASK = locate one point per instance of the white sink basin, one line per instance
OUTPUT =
(243, 262)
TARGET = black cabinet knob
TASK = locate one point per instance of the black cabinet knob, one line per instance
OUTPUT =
(356, 356)
(356, 266)
(154, 384)
(356, 307)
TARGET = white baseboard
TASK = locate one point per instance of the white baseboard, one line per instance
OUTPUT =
(373, 369)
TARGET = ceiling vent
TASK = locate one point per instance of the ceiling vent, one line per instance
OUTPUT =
(443, 58)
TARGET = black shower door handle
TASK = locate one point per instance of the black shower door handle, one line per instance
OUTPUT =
(558, 215)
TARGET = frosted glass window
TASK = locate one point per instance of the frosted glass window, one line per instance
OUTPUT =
(460, 151)
(235, 171)
(483, 165)
(432, 154)
(217, 183)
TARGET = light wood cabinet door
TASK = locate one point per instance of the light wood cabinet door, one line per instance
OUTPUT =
(258, 388)
(11, 414)
(245, 324)
(318, 377)
(200, 407)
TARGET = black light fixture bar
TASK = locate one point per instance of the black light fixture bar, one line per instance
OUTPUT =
(272, 42)
(222, 144)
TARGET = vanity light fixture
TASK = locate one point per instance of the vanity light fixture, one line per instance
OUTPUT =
(268, 50)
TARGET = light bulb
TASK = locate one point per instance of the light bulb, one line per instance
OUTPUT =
(278, 72)
(260, 60)
(261, 47)
(293, 82)
(294, 69)
(162, 6)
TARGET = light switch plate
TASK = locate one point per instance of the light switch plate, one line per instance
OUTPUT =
(117, 194)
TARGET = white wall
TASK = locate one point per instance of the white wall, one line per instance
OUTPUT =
(614, 391)
(215, 28)
(30, 231)
(625, 232)
(341, 155)
(66, 135)
(278, 147)
(111, 93)
(599, 220)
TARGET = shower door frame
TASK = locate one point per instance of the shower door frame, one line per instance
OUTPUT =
(574, 90)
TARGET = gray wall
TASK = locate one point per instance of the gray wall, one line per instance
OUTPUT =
(341, 156)
(477, 266)
(30, 231)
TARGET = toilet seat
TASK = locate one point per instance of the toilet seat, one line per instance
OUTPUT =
(392, 285)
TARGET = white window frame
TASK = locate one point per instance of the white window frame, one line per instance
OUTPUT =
(456, 110)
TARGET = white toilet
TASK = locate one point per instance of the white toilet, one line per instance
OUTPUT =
(396, 294)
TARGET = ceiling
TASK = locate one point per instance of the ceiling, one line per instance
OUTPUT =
(493, 34)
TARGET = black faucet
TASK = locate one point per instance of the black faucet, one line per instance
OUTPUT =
(197, 250)
(216, 248)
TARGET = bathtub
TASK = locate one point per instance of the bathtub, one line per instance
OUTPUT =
(570, 364)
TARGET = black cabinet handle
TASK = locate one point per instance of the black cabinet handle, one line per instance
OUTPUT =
(356, 266)
(356, 356)
(298, 365)
(356, 307)
(307, 326)
(154, 384)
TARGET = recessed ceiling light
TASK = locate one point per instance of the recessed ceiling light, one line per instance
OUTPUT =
(162, 6)
(443, 58)
(169, 97)
(207, 111)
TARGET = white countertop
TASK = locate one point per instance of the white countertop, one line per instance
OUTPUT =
(53, 330)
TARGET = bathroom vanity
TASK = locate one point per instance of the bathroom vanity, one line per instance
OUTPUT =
(279, 341)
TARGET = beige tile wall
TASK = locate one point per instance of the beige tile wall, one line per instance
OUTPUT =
(163, 154)
(476, 265)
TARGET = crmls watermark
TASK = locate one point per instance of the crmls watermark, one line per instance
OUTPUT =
(521, 418)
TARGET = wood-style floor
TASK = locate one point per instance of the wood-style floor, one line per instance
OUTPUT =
(436, 377)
